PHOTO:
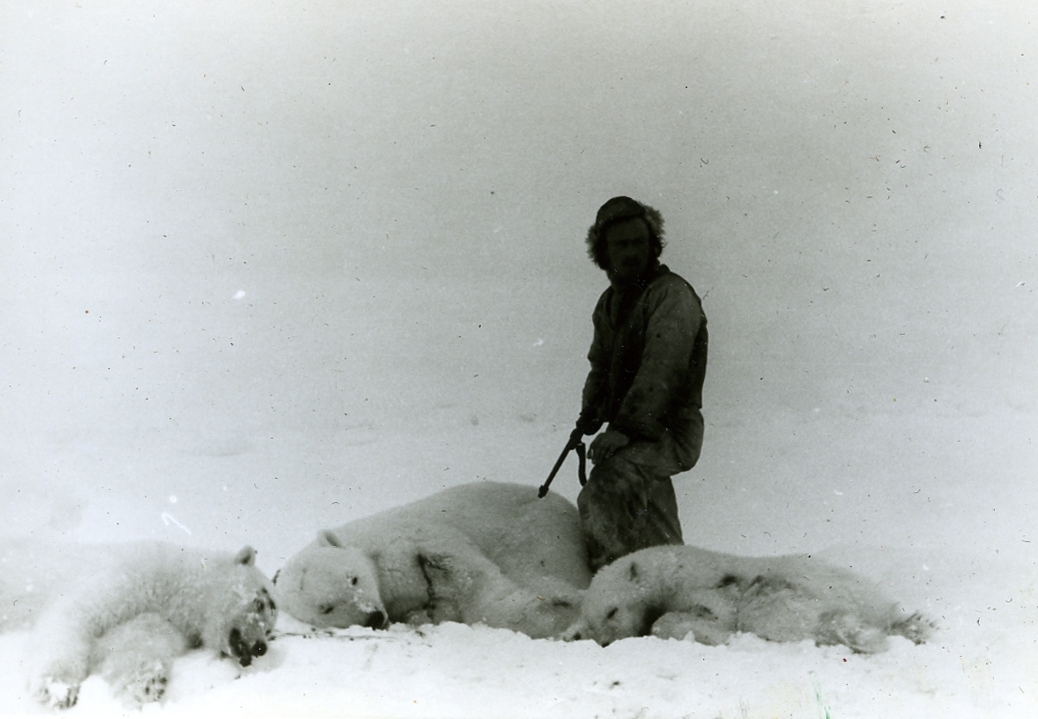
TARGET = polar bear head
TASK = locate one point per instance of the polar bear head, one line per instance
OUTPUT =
(622, 601)
(330, 584)
(239, 610)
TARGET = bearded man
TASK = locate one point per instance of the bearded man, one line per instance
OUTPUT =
(648, 363)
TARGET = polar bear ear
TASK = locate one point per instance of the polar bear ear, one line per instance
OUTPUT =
(327, 538)
(246, 556)
(632, 573)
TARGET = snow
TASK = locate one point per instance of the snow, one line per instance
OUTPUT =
(266, 269)
(980, 662)
(970, 669)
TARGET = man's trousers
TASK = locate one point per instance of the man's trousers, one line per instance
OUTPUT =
(629, 503)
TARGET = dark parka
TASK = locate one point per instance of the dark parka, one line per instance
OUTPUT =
(648, 357)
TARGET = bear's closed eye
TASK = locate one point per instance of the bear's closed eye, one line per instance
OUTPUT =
(326, 608)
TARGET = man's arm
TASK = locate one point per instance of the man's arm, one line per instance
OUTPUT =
(595, 385)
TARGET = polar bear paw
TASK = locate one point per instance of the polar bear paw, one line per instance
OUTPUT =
(136, 658)
(700, 624)
(915, 628)
(144, 684)
(849, 630)
(55, 693)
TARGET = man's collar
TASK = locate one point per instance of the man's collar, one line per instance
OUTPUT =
(642, 282)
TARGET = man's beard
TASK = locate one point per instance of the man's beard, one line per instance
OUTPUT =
(633, 281)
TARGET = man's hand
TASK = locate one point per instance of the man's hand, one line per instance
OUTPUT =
(606, 444)
(576, 436)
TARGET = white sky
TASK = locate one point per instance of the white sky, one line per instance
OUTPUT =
(853, 186)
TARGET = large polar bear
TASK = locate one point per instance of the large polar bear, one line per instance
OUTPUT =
(673, 591)
(126, 611)
(485, 552)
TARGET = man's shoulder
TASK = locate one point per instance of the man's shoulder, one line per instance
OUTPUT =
(668, 280)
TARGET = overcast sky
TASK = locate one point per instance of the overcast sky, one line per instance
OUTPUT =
(852, 186)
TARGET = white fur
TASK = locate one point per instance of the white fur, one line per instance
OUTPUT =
(478, 553)
(126, 611)
(677, 591)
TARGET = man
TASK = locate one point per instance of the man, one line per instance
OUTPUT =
(648, 362)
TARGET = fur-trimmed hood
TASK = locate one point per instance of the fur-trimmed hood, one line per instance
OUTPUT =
(616, 210)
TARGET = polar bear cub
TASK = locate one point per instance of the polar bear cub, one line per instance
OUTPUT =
(677, 591)
(127, 611)
(485, 552)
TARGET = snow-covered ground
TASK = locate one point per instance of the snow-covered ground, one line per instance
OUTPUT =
(966, 562)
(267, 269)
(453, 670)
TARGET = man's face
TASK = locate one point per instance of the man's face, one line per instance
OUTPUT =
(629, 249)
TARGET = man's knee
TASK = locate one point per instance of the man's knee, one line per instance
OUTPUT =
(604, 479)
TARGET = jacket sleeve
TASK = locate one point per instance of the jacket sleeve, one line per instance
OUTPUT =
(674, 318)
(596, 384)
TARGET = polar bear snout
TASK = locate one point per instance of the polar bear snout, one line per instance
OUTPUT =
(242, 650)
(375, 620)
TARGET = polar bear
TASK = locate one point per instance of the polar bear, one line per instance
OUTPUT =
(485, 552)
(127, 611)
(674, 591)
